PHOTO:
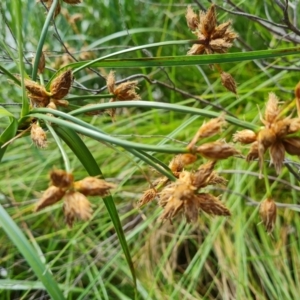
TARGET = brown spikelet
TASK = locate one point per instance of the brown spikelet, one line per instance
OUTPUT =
(61, 178)
(57, 9)
(265, 138)
(267, 211)
(245, 136)
(211, 128)
(220, 30)
(51, 196)
(92, 186)
(253, 152)
(201, 177)
(292, 145)
(76, 206)
(196, 49)
(111, 81)
(171, 209)
(277, 152)
(180, 161)
(61, 85)
(208, 21)
(35, 89)
(272, 110)
(147, 197)
(42, 63)
(63, 103)
(192, 18)
(228, 82)
(51, 105)
(217, 150)
(38, 136)
(211, 205)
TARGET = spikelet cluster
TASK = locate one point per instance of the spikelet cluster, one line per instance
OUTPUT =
(122, 92)
(75, 203)
(268, 212)
(274, 135)
(183, 195)
(59, 88)
(211, 38)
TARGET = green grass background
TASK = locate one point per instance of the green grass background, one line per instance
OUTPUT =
(216, 258)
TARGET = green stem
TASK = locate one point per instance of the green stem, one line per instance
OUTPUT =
(61, 148)
(94, 97)
(93, 132)
(42, 39)
(267, 184)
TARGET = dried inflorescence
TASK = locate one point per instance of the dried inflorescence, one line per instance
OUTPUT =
(212, 38)
(268, 212)
(273, 136)
(38, 135)
(183, 195)
(59, 88)
(76, 205)
(121, 92)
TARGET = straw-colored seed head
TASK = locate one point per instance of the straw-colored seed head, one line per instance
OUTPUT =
(297, 95)
(192, 18)
(126, 91)
(220, 46)
(61, 178)
(292, 145)
(217, 150)
(38, 136)
(51, 196)
(196, 49)
(52, 105)
(92, 186)
(76, 206)
(61, 85)
(180, 161)
(272, 109)
(267, 211)
(245, 136)
(294, 125)
(111, 81)
(147, 197)
(63, 103)
(228, 82)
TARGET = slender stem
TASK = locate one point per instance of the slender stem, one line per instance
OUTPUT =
(85, 97)
(267, 184)
(61, 148)
(42, 39)
(93, 132)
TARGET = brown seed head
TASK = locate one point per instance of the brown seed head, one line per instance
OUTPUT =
(92, 186)
(111, 81)
(292, 145)
(180, 161)
(219, 45)
(147, 197)
(61, 179)
(221, 30)
(76, 206)
(63, 103)
(277, 152)
(196, 49)
(245, 136)
(61, 85)
(51, 196)
(253, 152)
(211, 205)
(126, 91)
(267, 211)
(208, 21)
(192, 19)
(202, 176)
(217, 150)
(38, 136)
(228, 82)
(211, 128)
